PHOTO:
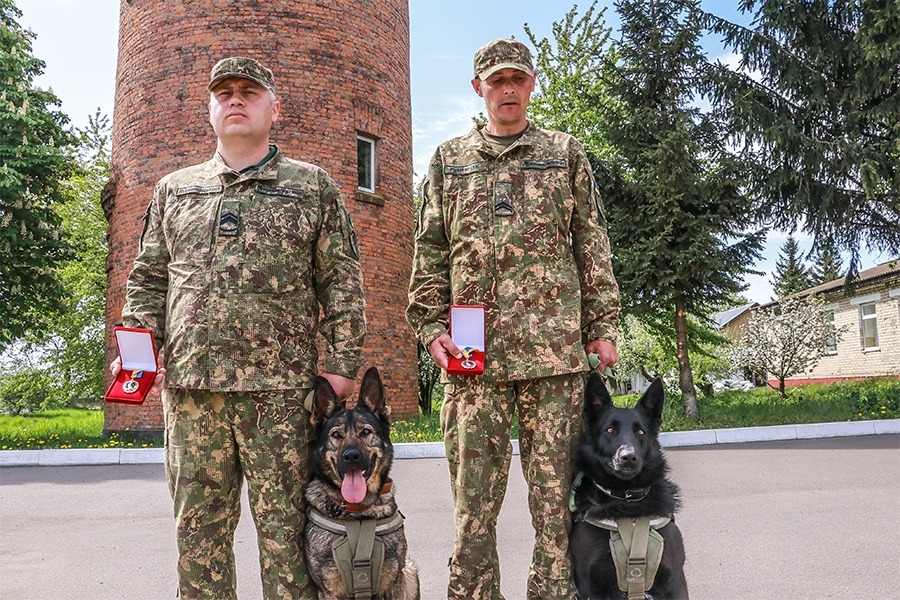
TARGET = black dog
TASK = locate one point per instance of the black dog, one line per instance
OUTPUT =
(354, 541)
(621, 483)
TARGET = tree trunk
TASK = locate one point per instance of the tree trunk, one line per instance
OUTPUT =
(685, 376)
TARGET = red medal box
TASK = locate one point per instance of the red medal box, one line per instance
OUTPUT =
(139, 366)
(467, 331)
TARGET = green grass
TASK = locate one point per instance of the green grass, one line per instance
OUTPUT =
(64, 428)
(836, 402)
(815, 403)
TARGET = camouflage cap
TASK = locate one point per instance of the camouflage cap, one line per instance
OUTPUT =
(502, 54)
(239, 66)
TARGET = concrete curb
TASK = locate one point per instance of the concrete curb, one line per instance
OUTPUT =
(672, 439)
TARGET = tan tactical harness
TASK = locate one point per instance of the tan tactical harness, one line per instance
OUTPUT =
(357, 549)
(635, 545)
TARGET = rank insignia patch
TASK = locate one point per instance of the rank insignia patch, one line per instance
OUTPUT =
(229, 223)
(503, 199)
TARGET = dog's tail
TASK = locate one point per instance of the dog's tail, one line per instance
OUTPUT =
(411, 577)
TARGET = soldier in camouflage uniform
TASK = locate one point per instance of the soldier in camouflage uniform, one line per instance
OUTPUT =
(236, 257)
(511, 220)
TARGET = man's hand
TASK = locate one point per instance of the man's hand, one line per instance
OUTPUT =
(342, 386)
(441, 349)
(116, 366)
(605, 351)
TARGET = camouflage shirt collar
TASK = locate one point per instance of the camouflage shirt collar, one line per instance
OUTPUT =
(476, 139)
(269, 170)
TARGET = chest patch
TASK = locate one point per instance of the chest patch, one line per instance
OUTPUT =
(503, 199)
(229, 224)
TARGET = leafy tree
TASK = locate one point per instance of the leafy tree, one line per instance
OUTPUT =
(70, 349)
(33, 166)
(574, 74)
(826, 263)
(814, 106)
(785, 339)
(791, 275)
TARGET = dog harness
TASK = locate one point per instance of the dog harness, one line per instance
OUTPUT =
(635, 544)
(357, 550)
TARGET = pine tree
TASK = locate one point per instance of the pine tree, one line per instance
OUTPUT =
(814, 106)
(33, 166)
(678, 218)
(791, 275)
(827, 263)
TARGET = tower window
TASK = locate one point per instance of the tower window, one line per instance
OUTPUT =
(366, 163)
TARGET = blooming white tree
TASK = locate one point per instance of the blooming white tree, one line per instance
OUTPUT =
(786, 338)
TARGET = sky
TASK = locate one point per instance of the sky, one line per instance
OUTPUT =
(78, 41)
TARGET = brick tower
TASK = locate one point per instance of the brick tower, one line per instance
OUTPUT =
(342, 72)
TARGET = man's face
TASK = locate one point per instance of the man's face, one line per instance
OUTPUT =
(241, 108)
(506, 96)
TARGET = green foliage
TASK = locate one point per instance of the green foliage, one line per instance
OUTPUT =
(25, 392)
(33, 166)
(574, 72)
(70, 347)
(813, 105)
(791, 276)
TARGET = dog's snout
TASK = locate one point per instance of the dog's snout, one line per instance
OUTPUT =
(351, 455)
(627, 454)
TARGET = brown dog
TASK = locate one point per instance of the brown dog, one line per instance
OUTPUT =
(354, 541)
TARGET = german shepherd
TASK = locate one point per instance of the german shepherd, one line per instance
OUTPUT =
(623, 476)
(350, 491)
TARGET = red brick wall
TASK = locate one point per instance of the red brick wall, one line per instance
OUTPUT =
(340, 67)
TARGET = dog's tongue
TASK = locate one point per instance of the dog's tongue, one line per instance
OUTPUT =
(353, 488)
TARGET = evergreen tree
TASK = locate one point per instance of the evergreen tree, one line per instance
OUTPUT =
(33, 166)
(677, 217)
(791, 275)
(814, 106)
(827, 263)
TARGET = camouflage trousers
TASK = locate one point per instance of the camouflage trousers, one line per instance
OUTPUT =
(213, 442)
(475, 419)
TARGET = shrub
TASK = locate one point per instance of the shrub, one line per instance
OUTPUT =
(25, 391)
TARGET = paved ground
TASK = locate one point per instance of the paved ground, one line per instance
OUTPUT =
(787, 519)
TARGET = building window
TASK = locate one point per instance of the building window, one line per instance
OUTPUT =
(869, 326)
(366, 163)
(831, 334)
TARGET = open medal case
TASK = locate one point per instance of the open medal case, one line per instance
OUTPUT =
(467, 331)
(139, 366)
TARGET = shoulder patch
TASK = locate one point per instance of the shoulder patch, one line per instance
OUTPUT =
(279, 191)
(198, 189)
(467, 169)
(553, 163)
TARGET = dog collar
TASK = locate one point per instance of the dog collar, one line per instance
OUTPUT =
(358, 507)
(626, 495)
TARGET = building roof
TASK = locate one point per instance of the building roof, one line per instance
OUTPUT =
(885, 271)
(727, 316)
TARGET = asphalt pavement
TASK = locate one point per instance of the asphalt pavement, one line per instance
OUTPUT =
(798, 518)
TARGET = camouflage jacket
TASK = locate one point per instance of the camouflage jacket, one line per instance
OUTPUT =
(523, 233)
(232, 269)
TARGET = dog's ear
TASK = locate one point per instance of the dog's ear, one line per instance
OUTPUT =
(325, 400)
(371, 394)
(652, 402)
(596, 396)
